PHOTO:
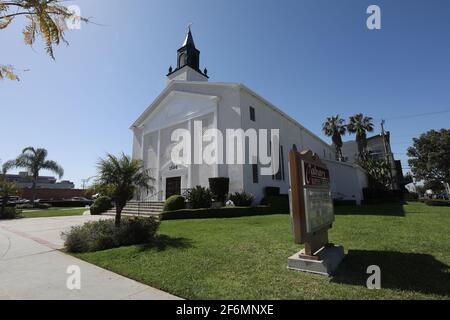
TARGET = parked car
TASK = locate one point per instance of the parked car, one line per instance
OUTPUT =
(443, 196)
(17, 200)
(87, 201)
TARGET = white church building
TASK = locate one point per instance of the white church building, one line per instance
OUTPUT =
(190, 98)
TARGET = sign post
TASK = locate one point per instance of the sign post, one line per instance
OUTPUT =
(312, 214)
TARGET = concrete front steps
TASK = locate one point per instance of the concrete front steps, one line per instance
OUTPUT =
(140, 208)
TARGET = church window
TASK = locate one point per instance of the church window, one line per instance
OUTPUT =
(182, 60)
(255, 173)
(280, 175)
(252, 114)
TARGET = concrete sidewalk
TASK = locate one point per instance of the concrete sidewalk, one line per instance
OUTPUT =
(31, 268)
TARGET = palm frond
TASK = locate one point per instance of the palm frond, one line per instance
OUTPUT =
(8, 165)
(54, 167)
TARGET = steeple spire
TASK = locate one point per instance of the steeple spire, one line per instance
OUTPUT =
(189, 41)
(188, 56)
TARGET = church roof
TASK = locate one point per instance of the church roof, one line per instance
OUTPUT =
(176, 84)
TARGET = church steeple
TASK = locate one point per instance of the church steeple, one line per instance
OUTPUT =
(189, 41)
(188, 56)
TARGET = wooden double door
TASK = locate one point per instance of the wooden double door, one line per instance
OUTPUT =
(173, 186)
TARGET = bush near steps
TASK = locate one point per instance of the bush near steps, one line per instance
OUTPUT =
(101, 205)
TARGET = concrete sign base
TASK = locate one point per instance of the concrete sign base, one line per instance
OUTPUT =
(324, 262)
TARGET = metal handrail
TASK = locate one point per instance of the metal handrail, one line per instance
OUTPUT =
(158, 195)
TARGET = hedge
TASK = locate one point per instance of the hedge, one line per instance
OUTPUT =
(376, 196)
(271, 191)
(227, 212)
(65, 203)
(437, 203)
(338, 202)
(280, 202)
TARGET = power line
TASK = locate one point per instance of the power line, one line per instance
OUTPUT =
(409, 116)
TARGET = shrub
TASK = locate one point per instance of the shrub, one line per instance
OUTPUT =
(219, 188)
(103, 234)
(214, 213)
(9, 213)
(338, 202)
(101, 205)
(437, 203)
(199, 197)
(174, 203)
(279, 203)
(411, 196)
(271, 191)
(25, 206)
(242, 199)
(43, 206)
(378, 195)
(66, 203)
(28, 206)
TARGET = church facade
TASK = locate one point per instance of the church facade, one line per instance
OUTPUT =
(190, 99)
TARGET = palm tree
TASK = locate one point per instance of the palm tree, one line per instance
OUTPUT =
(360, 125)
(35, 160)
(122, 176)
(335, 128)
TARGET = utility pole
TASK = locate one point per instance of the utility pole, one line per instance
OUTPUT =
(85, 181)
(388, 154)
(383, 134)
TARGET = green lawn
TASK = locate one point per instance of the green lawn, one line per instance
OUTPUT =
(53, 213)
(246, 258)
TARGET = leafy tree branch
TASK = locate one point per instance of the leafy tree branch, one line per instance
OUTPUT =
(45, 19)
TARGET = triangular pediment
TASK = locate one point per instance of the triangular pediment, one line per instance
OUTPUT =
(178, 106)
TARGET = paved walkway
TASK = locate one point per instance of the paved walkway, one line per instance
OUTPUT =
(31, 268)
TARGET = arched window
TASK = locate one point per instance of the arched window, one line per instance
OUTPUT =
(182, 60)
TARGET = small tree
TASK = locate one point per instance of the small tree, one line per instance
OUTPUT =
(379, 172)
(7, 189)
(360, 125)
(121, 177)
(430, 156)
(219, 188)
(335, 128)
(34, 160)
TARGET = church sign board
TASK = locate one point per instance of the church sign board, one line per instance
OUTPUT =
(312, 211)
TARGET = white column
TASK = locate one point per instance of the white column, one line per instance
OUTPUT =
(158, 162)
(189, 179)
(215, 124)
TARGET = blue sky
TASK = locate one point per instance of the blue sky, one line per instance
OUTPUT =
(311, 58)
